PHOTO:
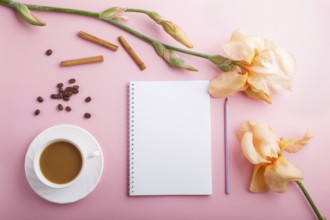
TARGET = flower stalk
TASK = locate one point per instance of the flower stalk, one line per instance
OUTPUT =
(243, 70)
(97, 15)
(309, 199)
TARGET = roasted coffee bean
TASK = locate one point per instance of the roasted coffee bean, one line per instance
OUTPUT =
(75, 87)
(87, 115)
(68, 109)
(75, 91)
(60, 85)
(60, 107)
(53, 96)
(66, 98)
(49, 52)
(88, 99)
(61, 90)
(66, 93)
(60, 95)
(40, 99)
(72, 81)
(67, 89)
(37, 112)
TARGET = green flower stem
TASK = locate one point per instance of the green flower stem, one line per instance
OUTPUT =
(137, 10)
(63, 10)
(197, 54)
(308, 197)
(152, 41)
(4, 2)
(113, 22)
(169, 46)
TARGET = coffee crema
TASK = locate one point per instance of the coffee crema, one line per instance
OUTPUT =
(60, 162)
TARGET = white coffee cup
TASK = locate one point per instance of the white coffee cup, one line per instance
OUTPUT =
(85, 156)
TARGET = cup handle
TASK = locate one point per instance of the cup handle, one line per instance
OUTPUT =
(92, 155)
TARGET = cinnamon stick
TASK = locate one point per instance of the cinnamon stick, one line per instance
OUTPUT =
(132, 53)
(86, 60)
(97, 40)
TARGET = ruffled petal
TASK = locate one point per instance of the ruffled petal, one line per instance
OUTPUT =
(227, 84)
(293, 145)
(279, 174)
(249, 150)
(265, 140)
(246, 126)
(258, 184)
(253, 93)
(275, 62)
(242, 46)
(272, 71)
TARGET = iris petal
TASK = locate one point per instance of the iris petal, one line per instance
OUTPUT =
(265, 140)
(258, 184)
(242, 46)
(246, 126)
(280, 174)
(249, 150)
(293, 145)
(226, 84)
(252, 93)
(272, 71)
(277, 63)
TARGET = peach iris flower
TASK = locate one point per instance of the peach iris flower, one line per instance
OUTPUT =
(263, 68)
(263, 148)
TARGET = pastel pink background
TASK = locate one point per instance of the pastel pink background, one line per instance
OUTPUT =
(302, 27)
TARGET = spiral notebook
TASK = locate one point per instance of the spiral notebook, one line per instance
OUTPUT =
(169, 138)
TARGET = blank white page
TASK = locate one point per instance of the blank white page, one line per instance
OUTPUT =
(170, 138)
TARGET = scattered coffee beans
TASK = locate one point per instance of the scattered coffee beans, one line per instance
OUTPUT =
(88, 99)
(49, 52)
(40, 99)
(37, 112)
(60, 107)
(59, 85)
(72, 81)
(53, 96)
(65, 93)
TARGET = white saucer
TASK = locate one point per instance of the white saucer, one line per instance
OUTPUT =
(88, 179)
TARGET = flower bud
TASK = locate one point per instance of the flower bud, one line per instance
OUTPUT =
(27, 16)
(176, 32)
(172, 29)
(172, 59)
(113, 13)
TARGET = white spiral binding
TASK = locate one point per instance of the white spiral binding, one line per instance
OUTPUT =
(131, 138)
